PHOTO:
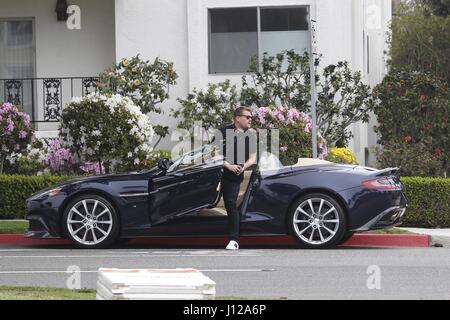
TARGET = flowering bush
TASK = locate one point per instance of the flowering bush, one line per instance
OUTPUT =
(413, 108)
(284, 79)
(213, 106)
(44, 156)
(16, 131)
(341, 155)
(294, 127)
(413, 159)
(32, 160)
(148, 163)
(147, 84)
(108, 129)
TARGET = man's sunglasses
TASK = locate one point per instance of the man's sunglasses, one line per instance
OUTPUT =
(248, 117)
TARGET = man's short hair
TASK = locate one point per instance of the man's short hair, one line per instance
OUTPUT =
(238, 111)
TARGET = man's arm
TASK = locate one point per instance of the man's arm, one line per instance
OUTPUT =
(251, 161)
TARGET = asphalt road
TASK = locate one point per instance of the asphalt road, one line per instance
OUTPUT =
(344, 273)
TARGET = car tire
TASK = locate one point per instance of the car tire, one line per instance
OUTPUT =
(317, 221)
(346, 237)
(91, 222)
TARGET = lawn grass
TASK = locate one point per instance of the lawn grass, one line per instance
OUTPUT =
(41, 293)
(44, 293)
(391, 231)
(13, 226)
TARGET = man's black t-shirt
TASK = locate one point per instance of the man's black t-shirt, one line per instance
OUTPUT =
(230, 150)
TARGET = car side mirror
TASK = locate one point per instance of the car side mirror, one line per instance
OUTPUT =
(164, 164)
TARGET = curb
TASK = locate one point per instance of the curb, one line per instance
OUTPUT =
(358, 240)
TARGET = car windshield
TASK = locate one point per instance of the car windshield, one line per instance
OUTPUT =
(203, 155)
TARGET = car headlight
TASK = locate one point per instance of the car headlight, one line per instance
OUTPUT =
(48, 193)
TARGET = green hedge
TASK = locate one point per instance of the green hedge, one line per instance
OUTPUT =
(428, 202)
(15, 189)
(428, 198)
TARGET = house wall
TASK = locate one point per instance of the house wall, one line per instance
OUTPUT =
(155, 28)
(61, 52)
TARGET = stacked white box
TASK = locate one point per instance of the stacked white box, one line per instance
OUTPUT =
(153, 284)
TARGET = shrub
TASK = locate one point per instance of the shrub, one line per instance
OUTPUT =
(294, 127)
(428, 202)
(150, 162)
(15, 131)
(31, 161)
(213, 106)
(341, 155)
(413, 107)
(428, 198)
(106, 129)
(15, 189)
(413, 159)
(284, 80)
(146, 83)
(420, 40)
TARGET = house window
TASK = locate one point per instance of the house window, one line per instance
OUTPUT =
(238, 34)
(233, 39)
(17, 62)
(17, 50)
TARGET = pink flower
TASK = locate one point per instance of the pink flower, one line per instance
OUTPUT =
(281, 117)
(22, 134)
(407, 138)
(92, 167)
(423, 98)
(59, 156)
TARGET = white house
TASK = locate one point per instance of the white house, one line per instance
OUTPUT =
(43, 63)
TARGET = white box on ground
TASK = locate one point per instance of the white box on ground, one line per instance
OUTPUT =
(149, 284)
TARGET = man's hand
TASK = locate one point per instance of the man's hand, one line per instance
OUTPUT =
(236, 169)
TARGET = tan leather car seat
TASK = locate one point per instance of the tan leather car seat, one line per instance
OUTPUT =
(219, 210)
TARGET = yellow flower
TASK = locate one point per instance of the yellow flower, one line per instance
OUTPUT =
(134, 69)
(137, 82)
(125, 62)
(343, 155)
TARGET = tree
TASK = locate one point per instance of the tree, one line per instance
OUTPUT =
(438, 7)
(420, 41)
(146, 83)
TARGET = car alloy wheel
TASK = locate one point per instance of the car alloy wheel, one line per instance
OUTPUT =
(317, 221)
(91, 222)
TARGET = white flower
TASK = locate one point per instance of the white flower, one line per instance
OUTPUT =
(96, 133)
(76, 100)
(136, 161)
(129, 154)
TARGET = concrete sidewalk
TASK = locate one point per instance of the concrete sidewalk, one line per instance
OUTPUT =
(431, 232)
(439, 237)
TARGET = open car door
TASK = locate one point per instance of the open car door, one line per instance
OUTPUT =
(192, 182)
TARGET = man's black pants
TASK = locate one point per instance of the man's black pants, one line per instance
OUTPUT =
(230, 192)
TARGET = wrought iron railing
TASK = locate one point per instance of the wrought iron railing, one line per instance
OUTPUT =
(44, 98)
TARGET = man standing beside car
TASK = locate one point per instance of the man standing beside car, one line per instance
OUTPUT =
(239, 151)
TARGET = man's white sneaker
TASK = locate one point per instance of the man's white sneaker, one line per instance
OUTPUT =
(232, 245)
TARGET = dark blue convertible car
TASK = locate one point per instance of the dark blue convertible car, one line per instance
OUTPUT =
(320, 203)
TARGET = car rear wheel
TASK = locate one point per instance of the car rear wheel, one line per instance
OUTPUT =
(90, 221)
(346, 237)
(317, 221)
